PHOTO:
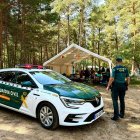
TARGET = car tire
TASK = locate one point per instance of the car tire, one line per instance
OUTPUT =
(48, 116)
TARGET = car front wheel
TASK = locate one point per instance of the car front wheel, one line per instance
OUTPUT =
(48, 116)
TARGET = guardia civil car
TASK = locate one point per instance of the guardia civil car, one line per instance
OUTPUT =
(52, 98)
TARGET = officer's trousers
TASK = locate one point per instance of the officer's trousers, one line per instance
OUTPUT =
(118, 92)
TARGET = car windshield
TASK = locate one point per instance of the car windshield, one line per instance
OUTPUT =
(49, 77)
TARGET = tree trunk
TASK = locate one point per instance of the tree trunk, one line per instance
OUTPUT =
(22, 55)
(41, 55)
(93, 49)
(79, 35)
(116, 41)
(116, 37)
(46, 55)
(81, 25)
(98, 45)
(8, 48)
(1, 31)
(68, 19)
(134, 34)
(58, 37)
(15, 50)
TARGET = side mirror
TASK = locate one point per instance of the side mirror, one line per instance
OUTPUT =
(27, 84)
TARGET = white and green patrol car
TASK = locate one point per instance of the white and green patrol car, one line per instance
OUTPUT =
(52, 98)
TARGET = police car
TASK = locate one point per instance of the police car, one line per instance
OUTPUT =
(47, 95)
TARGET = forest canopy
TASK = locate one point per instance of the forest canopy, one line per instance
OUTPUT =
(33, 31)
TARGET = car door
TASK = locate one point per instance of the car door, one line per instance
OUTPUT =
(12, 93)
(26, 86)
(9, 95)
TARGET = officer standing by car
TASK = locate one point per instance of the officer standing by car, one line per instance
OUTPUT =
(118, 81)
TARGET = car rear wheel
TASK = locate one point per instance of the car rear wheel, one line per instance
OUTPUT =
(48, 116)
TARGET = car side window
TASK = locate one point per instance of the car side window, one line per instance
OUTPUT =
(1, 75)
(7, 76)
(24, 77)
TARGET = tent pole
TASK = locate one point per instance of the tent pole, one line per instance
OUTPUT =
(110, 67)
(60, 69)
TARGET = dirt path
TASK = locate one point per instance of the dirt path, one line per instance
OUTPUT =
(15, 126)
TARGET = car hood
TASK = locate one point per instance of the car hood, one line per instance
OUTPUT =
(73, 90)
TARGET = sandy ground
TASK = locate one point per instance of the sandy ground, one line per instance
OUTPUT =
(15, 126)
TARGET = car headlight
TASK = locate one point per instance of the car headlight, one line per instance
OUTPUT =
(71, 102)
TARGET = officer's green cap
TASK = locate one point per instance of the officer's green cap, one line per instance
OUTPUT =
(119, 59)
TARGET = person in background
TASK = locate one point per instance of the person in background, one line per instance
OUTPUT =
(77, 74)
(82, 73)
(104, 77)
(99, 76)
(107, 74)
(103, 70)
(92, 74)
(118, 80)
(87, 73)
(91, 71)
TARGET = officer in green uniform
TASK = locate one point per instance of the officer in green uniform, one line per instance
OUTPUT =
(119, 81)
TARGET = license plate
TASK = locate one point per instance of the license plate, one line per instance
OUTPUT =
(98, 114)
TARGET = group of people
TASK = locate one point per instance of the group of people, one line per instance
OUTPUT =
(96, 76)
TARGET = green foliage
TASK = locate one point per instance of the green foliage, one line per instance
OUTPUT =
(42, 28)
(29, 31)
(135, 80)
